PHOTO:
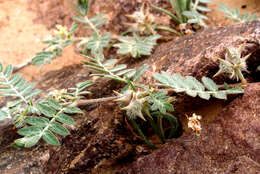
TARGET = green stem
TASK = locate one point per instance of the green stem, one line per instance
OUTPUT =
(188, 5)
(161, 126)
(176, 19)
(161, 27)
(21, 117)
(18, 93)
(91, 101)
(49, 124)
(92, 25)
(171, 119)
(156, 130)
(141, 134)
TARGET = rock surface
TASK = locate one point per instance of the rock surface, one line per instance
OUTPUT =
(231, 144)
(197, 54)
(101, 141)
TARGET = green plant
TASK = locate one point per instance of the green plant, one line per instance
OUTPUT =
(16, 87)
(96, 43)
(233, 13)
(46, 117)
(53, 115)
(136, 46)
(62, 39)
(145, 23)
(36, 118)
(146, 103)
(193, 87)
(187, 11)
(234, 64)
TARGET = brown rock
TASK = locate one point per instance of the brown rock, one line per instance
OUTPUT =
(197, 54)
(101, 141)
(231, 144)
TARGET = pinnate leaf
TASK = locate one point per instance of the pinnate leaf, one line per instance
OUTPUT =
(137, 46)
(46, 110)
(193, 87)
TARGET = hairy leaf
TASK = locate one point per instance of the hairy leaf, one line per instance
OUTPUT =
(187, 11)
(107, 68)
(72, 110)
(97, 43)
(160, 101)
(27, 141)
(50, 138)
(37, 121)
(63, 118)
(46, 109)
(233, 13)
(30, 131)
(3, 115)
(58, 128)
(137, 46)
(15, 86)
(193, 87)
(44, 57)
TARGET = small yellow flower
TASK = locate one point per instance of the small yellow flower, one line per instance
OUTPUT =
(61, 31)
(194, 123)
(58, 95)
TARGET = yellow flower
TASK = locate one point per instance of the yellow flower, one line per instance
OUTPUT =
(61, 31)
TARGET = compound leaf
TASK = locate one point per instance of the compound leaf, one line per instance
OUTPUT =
(137, 46)
(193, 87)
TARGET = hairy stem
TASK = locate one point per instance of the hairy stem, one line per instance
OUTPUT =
(22, 65)
(92, 25)
(156, 130)
(141, 134)
(91, 101)
(161, 27)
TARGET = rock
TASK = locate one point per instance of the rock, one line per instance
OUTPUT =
(101, 141)
(51, 13)
(197, 53)
(231, 144)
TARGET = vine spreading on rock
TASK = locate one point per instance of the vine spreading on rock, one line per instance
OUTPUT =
(46, 117)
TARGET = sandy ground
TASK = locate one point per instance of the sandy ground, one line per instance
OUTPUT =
(21, 35)
(244, 6)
